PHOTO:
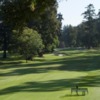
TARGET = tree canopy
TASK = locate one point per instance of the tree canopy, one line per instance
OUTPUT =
(29, 42)
(86, 34)
(19, 12)
(43, 14)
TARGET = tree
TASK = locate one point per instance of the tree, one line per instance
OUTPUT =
(5, 33)
(97, 36)
(81, 35)
(64, 35)
(60, 18)
(19, 12)
(70, 36)
(49, 28)
(89, 15)
(47, 25)
(29, 42)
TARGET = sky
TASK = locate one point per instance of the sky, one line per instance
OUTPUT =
(72, 10)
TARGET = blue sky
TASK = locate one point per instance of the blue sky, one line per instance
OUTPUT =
(72, 10)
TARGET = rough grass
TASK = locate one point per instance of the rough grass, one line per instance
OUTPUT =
(51, 77)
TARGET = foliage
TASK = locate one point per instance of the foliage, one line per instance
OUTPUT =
(29, 42)
(5, 36)
(19, 12)
(86, 34)
(47, 25)
(89, 15)
(43, 14)
(69, 36)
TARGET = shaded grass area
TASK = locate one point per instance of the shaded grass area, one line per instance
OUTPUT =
(72, 63)
(51, 74)
(53, 85)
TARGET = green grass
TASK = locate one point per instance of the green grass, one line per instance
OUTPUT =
(51, 77)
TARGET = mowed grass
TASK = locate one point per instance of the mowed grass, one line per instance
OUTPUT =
(51, 77)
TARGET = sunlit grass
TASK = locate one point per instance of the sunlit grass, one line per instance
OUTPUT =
(51, 77)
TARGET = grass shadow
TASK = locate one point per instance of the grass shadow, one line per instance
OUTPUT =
(53, 85)
(78, 63)
(71, 95)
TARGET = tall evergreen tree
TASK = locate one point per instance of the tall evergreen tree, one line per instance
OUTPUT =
(60, 18)
(89, 15)
(70, 36)
(98, 28)
(47, 25)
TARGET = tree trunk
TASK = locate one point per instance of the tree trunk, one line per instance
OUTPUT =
(40, 54)
(5, 47)
(4, 54)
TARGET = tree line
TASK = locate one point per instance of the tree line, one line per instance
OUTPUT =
(28, 27)
(86, 34)
(33, 27)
